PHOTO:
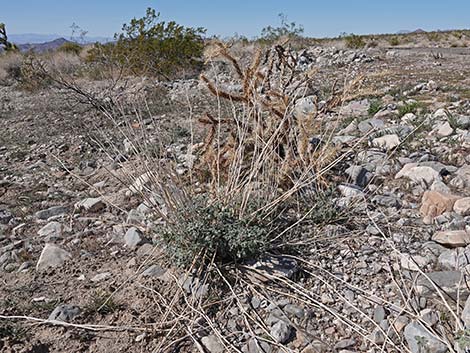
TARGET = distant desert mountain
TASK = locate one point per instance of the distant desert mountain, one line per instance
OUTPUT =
(419, 30)
(30, 38)
(43, 47)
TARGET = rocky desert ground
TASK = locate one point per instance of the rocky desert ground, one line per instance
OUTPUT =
(381, 265)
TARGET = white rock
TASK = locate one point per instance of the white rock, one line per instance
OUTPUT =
(418, 173)
(408, 118)
(350, 191)
(101, 277)
(91, 204)
(213, 344)
(304, 107)
(414, 262)
(440, 113)
(53, 229)
(421, 340)
(462, 206)
(133, 238)
(452, 238)
(52, 256)
(444, 129)
(139, 184)
(386, 141)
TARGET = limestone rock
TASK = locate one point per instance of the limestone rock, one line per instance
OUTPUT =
(418, 174)
(65, 313)
(52, 256)
(462, 206)
(419, 339)
(53, 230)
(453, 283)
(435, 203)
(388, 141)
(213, 344)
(133, 238)
(91, 204)
(452, 238)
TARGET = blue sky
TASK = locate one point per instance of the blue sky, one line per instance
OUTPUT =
(319, 17)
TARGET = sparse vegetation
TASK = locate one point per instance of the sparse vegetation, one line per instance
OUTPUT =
(375, 106)
(354, 41)
(71, 48)
(101, 302)
(286, 29)
(394, 41)
(408, 108)
(204, 231)
(148, 46)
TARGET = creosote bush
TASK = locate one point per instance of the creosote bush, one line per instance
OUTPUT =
(285, 30)
(394, 41)
(148, 46)
(354, 41)
(70, 48)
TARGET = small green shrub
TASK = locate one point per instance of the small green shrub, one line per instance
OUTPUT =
(394, 41)
(101, 302)
(354, 41)
(70, 48)
(408, 108)
(211, 231)
(286, 29)
(148, 46)
(375, 106)
(433, 36)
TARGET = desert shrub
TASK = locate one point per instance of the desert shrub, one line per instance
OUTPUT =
(286, 29)
(10, 67)
(64, 63)
(354, 41)
(408, 108)
(394, 41)
(148, 46)
(202, 229)
(433, 36)
(22, 70)
(101, 302)
(375, 106)
(70, 48)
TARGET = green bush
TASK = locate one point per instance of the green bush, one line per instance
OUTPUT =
(354, 41)
(394, 41)
(70, 48)
(148, 46)
(286, 29)
(408, 108)
(375, 106)
(203, 230)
